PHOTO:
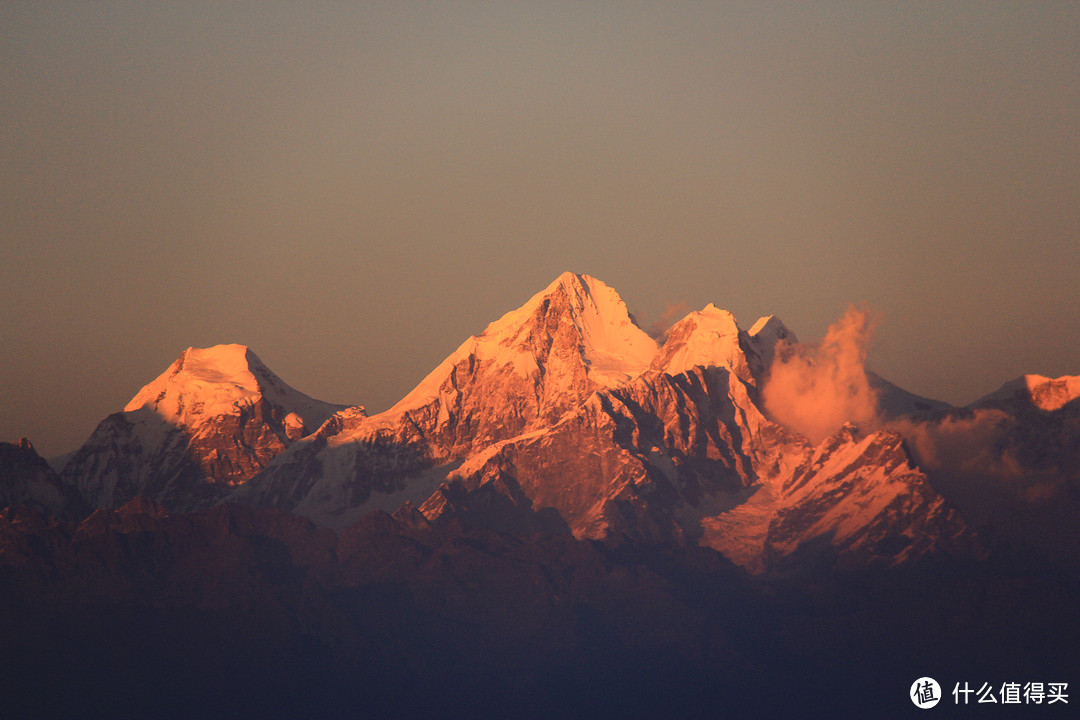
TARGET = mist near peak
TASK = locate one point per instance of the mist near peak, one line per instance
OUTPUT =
(673, 312)
(815, 388)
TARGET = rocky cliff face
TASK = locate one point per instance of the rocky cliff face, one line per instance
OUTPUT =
(212, 420)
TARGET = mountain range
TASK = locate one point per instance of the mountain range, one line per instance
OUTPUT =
(563, 413)
(562, 422)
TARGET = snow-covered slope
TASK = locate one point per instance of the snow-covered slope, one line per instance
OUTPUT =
(214, 418)
(895, 402)
(854, 499)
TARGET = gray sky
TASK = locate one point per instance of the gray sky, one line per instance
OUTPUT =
(353, 189)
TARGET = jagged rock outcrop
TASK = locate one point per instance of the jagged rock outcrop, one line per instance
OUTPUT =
(856, 499)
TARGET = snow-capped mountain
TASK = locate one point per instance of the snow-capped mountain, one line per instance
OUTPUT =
(213, 419)
(523, 373)
(564, 414)
(528, 368)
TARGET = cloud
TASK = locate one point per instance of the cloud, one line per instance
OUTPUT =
(1016, 481)
(673, 312)
(978, 458)
(814, 388)
(966, 443)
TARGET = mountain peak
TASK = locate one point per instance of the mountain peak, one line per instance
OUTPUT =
(219, 375)
(214, 418)
(589, 318)
(771, 328)
(766, 334)
(219, 363)
(1038, 391)
(573, 282)
(576, 321)
(213, 381)
(707, 337)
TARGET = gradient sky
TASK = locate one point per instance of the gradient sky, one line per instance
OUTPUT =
(353, 189)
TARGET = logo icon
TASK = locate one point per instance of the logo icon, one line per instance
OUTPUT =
(925, 692)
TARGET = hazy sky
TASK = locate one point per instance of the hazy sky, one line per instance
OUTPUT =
(353, 189)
